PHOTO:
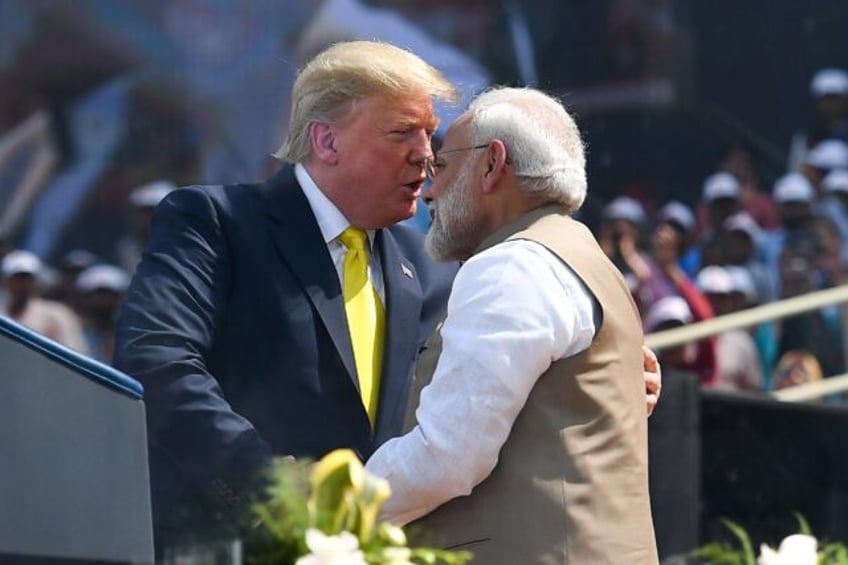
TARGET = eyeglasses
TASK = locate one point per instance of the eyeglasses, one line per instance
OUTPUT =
(432, 166)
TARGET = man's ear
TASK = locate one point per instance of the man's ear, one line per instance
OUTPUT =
(495, 165)
(322, 139)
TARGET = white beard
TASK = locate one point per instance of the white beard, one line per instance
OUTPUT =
(455, 229)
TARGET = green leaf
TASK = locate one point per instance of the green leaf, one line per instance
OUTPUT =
(716, 553)
(744, 539)
(371, 494)
(331, 498)
(833, 553)
(803, 525)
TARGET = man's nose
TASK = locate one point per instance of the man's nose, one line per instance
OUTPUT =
(422, 147)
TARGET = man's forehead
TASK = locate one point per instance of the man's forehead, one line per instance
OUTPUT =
(412, 109)
(457, 134)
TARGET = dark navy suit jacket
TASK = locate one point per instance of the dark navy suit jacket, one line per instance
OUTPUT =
(235, 325)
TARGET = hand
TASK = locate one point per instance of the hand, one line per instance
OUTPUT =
(665, 241)
(635, 261)
(653, 378)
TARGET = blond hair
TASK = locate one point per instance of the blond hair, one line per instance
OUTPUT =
(329, 85)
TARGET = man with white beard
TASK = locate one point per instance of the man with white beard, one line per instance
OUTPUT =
(529, 443)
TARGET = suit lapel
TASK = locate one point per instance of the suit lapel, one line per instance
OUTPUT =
(298, 238)
(403, 309)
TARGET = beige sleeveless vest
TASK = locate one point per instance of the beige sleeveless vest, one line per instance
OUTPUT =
(571, 483)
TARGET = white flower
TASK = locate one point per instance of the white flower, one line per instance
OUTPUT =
(798, 549)
(342, 549)
(392, 534)
(397, 556)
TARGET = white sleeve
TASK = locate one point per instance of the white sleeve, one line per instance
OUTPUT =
(513, 310)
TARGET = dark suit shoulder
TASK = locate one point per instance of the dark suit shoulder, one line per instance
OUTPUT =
(222, 195)
(226, 210)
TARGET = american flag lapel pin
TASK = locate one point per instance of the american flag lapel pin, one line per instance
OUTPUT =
(406, 271)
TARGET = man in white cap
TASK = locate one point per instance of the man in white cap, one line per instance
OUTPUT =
(826, 156)
(834, 207)
(721, 196)
(829, 92)
(101, 289)
(738, 365)
(24, 305)
(143, 200)
(667, 313)
(829, 89)
(795, 197)
(721, 192)
(744, 249)
(620, 236)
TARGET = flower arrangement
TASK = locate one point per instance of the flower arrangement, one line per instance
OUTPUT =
(797, 549)
(325, 513)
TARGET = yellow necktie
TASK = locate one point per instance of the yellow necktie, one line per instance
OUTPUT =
(365, 318)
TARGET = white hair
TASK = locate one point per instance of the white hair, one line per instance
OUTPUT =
(542, 142)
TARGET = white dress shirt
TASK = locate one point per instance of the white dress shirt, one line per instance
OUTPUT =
(332, 223)
(513, 310)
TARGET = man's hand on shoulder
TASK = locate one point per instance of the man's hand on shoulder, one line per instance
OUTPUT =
(653, 378)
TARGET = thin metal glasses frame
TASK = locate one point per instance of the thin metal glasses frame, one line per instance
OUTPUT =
(430, 169)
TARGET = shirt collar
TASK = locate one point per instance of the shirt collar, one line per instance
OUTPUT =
(330, 219)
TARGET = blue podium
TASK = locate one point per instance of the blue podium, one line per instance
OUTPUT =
(74, 482)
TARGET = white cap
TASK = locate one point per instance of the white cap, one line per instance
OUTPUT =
(679, 213)
(793, 187)
(624, 208)
(743, 282)
(103, 277)
(828, 154)
(667, 309)
(149, 195)
(742, 221)
(836, 181)
(20, 262)
(78, 258)
(714, 280)
(829, 81)
(721, 185)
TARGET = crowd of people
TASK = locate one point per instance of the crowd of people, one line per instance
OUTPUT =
(742, 245)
